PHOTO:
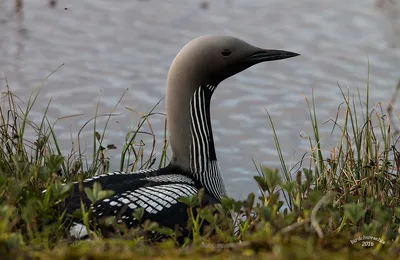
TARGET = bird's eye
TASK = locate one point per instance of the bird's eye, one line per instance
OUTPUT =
(226, 52)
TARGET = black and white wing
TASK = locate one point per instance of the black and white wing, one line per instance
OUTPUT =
(156, 191)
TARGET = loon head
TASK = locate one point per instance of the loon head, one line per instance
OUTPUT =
(204, 62)
(212, 59)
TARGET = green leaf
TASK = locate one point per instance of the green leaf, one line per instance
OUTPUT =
(97, 193)
(272, 177)
(262, 183)
(191, 201)
(265, 213)
(165, 231)
(289, 186)
(238, 206)
(96, 188)
(89, 194)
(44, 173)
(138, 213)
(309, 175)
(397, 212)
(228, 203)
(290, 218)
(53, 162)
(219, 208)
(59, 189)
(354, 211)
(153, 226)
(207, 214)
(2, 180)
(250, 200)
(65, 188)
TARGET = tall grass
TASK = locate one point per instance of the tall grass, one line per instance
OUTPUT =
(342, 193)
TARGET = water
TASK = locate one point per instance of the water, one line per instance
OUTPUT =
(110, 46)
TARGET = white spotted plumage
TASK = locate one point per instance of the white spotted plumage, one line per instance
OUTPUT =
(169, 178)
(152, 199)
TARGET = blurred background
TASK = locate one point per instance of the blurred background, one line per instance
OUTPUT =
(110, 46)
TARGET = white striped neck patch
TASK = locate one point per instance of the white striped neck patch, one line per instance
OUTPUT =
(203, 159)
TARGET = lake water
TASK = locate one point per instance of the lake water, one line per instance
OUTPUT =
(110, 46)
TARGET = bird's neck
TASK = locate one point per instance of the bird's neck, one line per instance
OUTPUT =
(191, 138)
(202, 150)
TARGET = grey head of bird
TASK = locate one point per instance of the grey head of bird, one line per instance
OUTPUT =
(212, 59)
(196, 71)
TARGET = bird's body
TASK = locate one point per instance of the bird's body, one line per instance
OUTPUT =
(156, 191)
(192, 79)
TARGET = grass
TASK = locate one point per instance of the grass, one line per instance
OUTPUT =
(342, 203)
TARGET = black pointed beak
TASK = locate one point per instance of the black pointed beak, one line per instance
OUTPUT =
(268, 55)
